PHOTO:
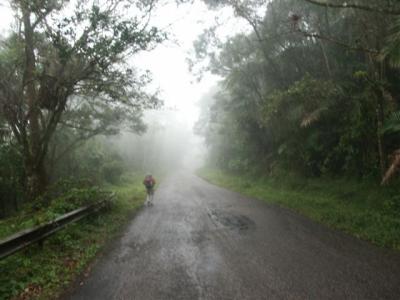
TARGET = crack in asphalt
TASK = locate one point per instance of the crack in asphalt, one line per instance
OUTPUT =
(231, 221)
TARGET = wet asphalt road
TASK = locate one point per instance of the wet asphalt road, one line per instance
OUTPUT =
(202, 242)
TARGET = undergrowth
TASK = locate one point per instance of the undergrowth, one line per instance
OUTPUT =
(43, 272)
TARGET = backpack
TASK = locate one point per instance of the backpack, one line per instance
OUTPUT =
(149, 182)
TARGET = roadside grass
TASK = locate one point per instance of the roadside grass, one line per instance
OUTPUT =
(40, 212)
(43, 273)
(362, 209)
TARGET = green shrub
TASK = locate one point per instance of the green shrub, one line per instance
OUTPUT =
(112, 171)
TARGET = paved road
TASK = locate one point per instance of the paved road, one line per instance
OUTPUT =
(202, 242)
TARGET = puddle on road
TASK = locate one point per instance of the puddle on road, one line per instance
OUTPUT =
(234, 222)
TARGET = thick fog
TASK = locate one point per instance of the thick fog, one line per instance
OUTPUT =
(169, 144)
(180, 82)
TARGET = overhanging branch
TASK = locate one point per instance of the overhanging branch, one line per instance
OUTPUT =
(339, 43)
(382, 10)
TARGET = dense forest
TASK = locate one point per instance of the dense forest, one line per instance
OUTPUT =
(312, 88)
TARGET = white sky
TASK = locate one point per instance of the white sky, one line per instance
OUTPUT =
(179, 89)
(167, 62)
(6, 17)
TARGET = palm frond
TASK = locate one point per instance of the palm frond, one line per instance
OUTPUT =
(312, 117)
(394, 167)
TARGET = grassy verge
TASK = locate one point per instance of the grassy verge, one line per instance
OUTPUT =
(362, 209)
(42, 273)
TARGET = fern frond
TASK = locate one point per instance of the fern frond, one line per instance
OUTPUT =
(395, 117)
(392, 123)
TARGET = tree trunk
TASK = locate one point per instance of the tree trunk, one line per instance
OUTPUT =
(380, 115)
(36, 179)
(381, 151)
(326, 59)
(34, 167)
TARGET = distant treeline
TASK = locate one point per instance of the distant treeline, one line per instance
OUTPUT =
(313, 88)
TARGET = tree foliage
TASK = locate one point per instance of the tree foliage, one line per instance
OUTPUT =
(313, 88)
(66, 70)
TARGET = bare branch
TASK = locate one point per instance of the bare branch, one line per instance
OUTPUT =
(345, 4)
(339, 43)
(393, 169)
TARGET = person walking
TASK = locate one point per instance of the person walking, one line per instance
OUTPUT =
(149, 182)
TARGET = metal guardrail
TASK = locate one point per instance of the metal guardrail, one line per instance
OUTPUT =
(27, 237)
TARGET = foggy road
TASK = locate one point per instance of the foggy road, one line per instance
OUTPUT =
(203, 242)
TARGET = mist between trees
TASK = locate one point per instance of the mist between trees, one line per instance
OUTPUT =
(67, 86)
(168, 145)
(313, 89)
